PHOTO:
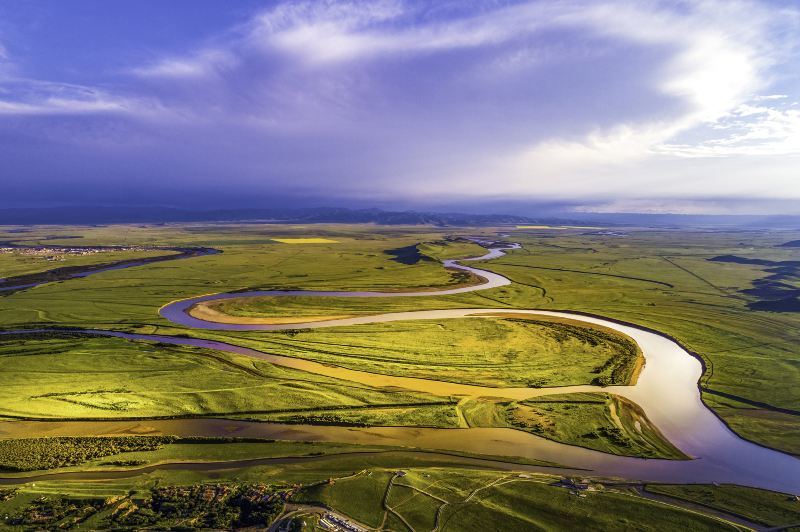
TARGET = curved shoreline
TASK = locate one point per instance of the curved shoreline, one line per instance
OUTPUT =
(22, 282)
(220, 465)
(178, 311)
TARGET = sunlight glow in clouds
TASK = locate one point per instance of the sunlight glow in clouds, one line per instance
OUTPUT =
(656, 102)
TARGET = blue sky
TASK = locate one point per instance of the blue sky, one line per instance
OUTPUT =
(648, 106)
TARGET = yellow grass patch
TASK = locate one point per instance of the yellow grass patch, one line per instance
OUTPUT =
(305, 240)
(202, 311)
(555, 227)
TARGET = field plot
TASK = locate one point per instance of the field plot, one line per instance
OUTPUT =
(73, 376)
(525, 505)
(457, 499)
(482, 351)
(382, 488)
(310, 240)
(605, 422)
(765, 507)
(367, 507)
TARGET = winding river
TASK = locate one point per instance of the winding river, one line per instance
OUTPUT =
(64, 273)
(666, 390)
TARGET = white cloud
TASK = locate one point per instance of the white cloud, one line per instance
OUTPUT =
(203, 63)
(692, 206)
(323, 33)
(46, 98)
(723, 53)
(302, 71)
(771, 97)
(748, 130)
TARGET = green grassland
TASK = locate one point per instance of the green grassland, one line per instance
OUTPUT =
(443, 415)
(531, 505)
(482, 351)
(303, 307)
(17, 263)
(26, 457)
(358, 482)
(89, 377)
(250, 260)
(20, 458)
(487, 500)
(661, 280)
(366, 507)
(600, 421)
(749, 354)
(73, 376)
(761, 506)
(450, 249)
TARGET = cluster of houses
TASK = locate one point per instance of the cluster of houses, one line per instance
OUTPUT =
(58, 253)
(576, 487)
(333, 522)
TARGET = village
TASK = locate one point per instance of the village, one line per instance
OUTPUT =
(59, 253)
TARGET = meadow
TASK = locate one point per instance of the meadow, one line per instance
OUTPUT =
(600, 421)
(14, 263)
(658, 279)
(498, 352)
(664, 280)
(83, 377)
(457, 493)
(764, 507)
(90, 377)
(459, 499)
(251, 260)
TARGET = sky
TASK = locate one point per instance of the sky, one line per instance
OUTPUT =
(687, 106)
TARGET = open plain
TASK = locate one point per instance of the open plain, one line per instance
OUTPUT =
(341, 355)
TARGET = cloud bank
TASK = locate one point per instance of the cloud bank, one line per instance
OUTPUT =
(591, 102)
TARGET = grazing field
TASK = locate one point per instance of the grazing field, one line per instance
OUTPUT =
(85, 457)
(89, 377)
(765, 507)
(297, 309)
(662, 280)
(600, 421)
(306, 240)
(489, 500)
(19, 262)
(20, 458)
(665, 280)
(250, 260)
(74, 376)
(366, 508)
(354, 481)
(483, 351)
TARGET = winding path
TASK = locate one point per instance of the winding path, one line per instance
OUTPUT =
(667, 390)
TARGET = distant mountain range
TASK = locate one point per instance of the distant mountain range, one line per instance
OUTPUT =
(94, 215)
(110, 215)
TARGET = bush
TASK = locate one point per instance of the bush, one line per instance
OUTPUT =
(32, 454)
